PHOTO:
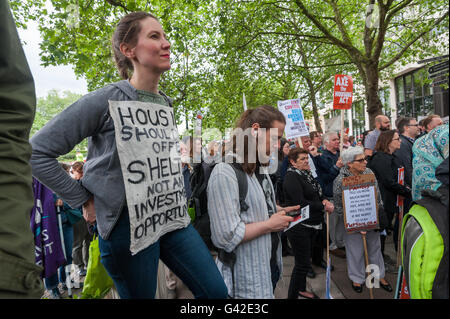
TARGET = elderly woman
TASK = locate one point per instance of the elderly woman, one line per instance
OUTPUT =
(355, 164)
(300, 188)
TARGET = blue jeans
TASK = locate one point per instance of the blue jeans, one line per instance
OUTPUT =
(60, 276)
(182, 250)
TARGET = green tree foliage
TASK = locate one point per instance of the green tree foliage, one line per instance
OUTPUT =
(269, 50)
(377, 35)
(78, 33)
(270, 40)
(51, 105)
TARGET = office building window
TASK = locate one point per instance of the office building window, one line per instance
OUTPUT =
(414, 94)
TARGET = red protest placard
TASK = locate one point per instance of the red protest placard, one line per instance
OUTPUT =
(401, 181)
(343, 92)
(404, 293)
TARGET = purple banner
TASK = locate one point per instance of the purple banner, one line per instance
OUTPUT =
(44, 225)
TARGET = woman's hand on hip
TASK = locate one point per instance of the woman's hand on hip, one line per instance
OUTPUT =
(89, 211)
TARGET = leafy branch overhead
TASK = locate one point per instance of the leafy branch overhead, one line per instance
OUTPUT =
(48, 107)
(269, 50)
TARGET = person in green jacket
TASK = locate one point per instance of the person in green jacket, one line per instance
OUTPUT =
(19, 276)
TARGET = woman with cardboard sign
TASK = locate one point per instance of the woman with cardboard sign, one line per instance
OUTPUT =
(355, 245)
(132, 185)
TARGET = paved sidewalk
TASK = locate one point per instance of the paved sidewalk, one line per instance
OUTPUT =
(340, 286)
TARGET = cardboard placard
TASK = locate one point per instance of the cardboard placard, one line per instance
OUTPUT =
(148, 148)
(359, 203)
(295, 121)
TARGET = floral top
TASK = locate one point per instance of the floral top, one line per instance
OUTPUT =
(428, 152)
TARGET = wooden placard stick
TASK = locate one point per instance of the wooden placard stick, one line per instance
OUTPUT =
(366, 258)
(328, 239)
(401, 207)
(300, 143)
(341, 144)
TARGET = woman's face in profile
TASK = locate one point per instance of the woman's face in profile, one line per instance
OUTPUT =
(286, 149)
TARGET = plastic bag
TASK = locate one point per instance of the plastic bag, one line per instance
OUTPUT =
(97, 282)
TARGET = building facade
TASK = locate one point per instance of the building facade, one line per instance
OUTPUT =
(412, 92)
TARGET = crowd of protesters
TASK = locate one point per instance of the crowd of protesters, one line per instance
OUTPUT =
(307, 174)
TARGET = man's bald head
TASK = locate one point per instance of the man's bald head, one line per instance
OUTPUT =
(382, 123)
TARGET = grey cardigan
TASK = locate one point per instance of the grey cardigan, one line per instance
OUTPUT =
(88, 117)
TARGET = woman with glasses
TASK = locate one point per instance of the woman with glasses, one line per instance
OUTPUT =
(301, 188)
(385, 166)
(355, 163)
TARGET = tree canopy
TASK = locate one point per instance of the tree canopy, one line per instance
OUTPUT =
(269, 50)
(47, 107)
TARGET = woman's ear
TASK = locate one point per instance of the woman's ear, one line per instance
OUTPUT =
(255, 127)
(292, 162)
(127, 51)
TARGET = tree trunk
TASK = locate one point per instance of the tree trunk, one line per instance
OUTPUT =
(312, 96)
(312, 91)
(374, 106)
(316, 114)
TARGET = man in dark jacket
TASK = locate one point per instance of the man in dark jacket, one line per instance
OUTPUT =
(408, 130)
(328, 166)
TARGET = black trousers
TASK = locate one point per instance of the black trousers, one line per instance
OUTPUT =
(81, 241)
(305, 242)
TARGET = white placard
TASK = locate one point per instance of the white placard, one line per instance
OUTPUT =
(304, 215)
(148, 147)
(295, 121)
(360, 208)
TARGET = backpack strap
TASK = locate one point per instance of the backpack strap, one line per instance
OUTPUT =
(168, 99)
(242, 185)
(229, 258)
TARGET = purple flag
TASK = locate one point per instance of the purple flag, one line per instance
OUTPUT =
(44, 224)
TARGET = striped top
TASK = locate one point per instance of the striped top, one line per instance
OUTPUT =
(252, 273)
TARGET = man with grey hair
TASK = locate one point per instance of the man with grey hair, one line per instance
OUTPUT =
(382, 123)
(328, 166)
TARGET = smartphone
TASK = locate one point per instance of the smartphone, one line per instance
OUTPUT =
(294, 213)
